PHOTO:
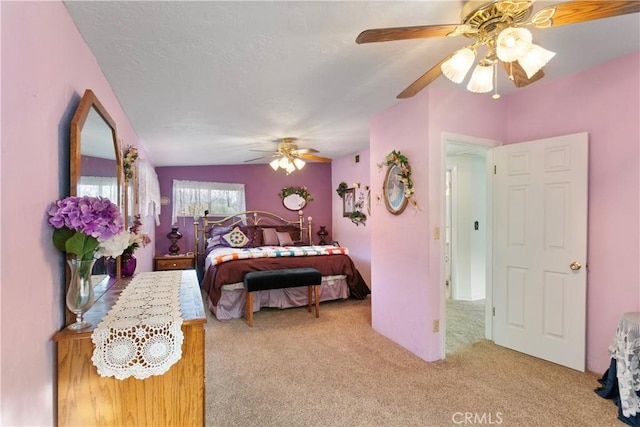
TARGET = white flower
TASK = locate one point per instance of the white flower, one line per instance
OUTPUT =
(114, 246)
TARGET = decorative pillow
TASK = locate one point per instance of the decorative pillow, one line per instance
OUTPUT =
(284, 238)
(236, 238)
(216, 239)
(269, 237)
(255, 235)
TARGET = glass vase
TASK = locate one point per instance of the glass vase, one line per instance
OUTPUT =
(80, 294)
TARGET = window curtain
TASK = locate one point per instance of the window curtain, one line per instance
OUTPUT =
(99, 186)
(192, 198)
(148, 191)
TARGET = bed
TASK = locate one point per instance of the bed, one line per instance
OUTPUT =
(228, 248)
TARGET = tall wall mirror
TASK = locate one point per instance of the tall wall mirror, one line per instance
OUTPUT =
(95, 159)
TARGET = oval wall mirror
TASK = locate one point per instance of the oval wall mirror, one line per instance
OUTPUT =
(294, 202)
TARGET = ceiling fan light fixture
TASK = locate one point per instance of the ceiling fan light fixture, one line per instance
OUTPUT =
(534, 59)
(275, 164)
(290, 168)
(482, 79)
(284, 162)
(457, 67)
(512, 43)
(299, 163)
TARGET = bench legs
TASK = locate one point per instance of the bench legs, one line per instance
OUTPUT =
(313, 294)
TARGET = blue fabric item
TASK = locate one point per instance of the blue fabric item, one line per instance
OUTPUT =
(609, 390)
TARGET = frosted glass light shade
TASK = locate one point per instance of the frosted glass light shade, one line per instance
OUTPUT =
(534, 59)
(284, 162)
(299, 163)
(275, 164)
(290, 168)
(481, 79)
(457, 67)
(513, 43)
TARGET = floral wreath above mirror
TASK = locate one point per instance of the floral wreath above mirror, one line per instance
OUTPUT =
(397, 187)
(129, 158)
(295, 198)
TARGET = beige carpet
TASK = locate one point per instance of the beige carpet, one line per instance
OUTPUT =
(465, 324)
(292, 369)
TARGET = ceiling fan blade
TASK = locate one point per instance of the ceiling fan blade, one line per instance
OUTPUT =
(314, 158)
(263, 151)
(423, 81)
(404, 33)
(260, 158)
(573, 12)
(517, 74)
(304, 151)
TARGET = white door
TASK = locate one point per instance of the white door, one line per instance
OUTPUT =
(540, 248)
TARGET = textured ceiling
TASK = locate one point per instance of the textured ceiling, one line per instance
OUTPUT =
(205, 82)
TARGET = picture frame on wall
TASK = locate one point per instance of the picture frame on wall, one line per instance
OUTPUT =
(348, 201)
(393, 189)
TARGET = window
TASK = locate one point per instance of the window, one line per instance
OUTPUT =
(99, 186)
(192, 198)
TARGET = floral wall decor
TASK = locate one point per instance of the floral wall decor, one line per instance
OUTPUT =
(129, 158)
(342, 187)
(295, 198)
(300, 191)
(397, 187)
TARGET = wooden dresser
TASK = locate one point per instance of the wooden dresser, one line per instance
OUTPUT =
(173, 399)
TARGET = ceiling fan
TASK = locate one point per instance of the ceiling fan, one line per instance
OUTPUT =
(498, 25)
(289, 157)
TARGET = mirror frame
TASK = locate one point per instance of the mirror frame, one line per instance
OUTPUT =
(294, 202)
(88, 102)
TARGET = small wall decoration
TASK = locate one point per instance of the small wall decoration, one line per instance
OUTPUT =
(397, 186)
(341, 188)
(130, 155)
(295, 198)
(348, 201)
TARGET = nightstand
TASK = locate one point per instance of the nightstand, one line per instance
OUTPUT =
(173, 262)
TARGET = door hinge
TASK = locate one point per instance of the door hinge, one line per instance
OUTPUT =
(495, 169)
(494, 312)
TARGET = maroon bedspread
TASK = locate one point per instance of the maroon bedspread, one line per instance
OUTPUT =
(328, 265)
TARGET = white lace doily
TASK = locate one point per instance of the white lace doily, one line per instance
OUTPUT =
(142, 333)
(626, 350)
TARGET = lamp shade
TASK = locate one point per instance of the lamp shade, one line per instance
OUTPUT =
(299, 163)
(457, 67)
(512, 43)
(275, 164)
(482, 79)
(534, 59)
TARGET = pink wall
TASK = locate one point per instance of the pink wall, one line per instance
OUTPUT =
(46, 66)
(406, 257)
(262, 189)
(355, 237)
(605, 102)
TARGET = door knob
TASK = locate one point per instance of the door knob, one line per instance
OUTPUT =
(575, 265)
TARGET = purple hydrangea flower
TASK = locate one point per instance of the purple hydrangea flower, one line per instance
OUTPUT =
(94, 216)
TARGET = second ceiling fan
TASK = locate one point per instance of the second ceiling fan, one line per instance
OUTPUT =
(498, 25)
(289, 157)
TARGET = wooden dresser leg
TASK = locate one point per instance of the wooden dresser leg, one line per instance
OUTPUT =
(248, 309)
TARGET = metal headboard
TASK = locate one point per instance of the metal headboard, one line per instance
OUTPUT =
(248, 218)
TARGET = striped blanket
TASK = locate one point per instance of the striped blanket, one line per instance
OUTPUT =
(220, 255)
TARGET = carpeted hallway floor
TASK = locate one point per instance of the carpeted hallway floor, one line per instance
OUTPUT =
(465, 323)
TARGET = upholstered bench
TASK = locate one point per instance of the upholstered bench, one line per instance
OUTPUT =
(280, 279)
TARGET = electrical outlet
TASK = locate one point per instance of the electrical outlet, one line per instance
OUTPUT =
(436, 325)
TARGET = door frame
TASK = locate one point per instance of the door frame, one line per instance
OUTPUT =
(448, 137)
